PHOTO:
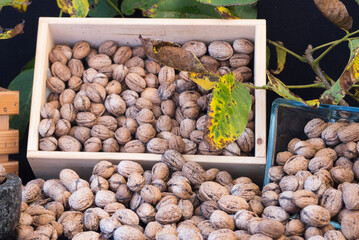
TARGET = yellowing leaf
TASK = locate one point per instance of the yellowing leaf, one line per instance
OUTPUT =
(349, 77)
(336, 12)
(226, 13)
(281, 89)
(19, 5)
(207, 81)
(228, 111)
(281, 57)
(75, 8)
(6, 33)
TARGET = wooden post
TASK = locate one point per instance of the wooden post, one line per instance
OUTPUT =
(9, 138)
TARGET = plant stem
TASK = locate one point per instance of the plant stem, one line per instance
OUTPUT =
(334, 43)
(318, 71)
(116, 8)
(256, 87)
(300, 58)
(60, 15)
(313, 85)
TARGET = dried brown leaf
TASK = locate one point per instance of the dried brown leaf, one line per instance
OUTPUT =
(336, 12)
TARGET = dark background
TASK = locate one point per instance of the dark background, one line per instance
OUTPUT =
(295, 23)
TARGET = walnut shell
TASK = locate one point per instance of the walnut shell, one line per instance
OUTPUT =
(81, 199)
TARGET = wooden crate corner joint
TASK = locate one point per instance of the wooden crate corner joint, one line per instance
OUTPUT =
(9, 102)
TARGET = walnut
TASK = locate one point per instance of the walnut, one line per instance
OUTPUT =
(96, 92)
(66, 50)
(169, 214)
(342, 174)
(166, 75)
(350, 196)
(82, 134)
(99, 61)
(55, 84)
(132, 112)
(315, 216)
(76, 67)
(67, 96)
(128, 232)
(93, 144)
(108, 47)
(305, 149)
(135, 82)
(349, 225)
(151, 80)
(349, 133)
(315, 127)
(125, 168)
(152, 228)
(247, 191)
(242, 45)
(134, 146)
(98, 109)
(173, 159)
(157, 145)
(60, 71)
(81, 199)
(176, 143)
(186, 127)
(212, 191)
(135, 62)
(194, 172)
(107, 121)
(188, 96)
(164, 123)
(81, 103)
(57, 56)
(101, 79)
(329, 134)
(239, 60)
(69, 144)
(81, 50)
(122, 55)
(48, 144)
(289, 183)
(150, 194)
(135, 182)
(77, 184)
(220, 50)
(295, 163)
(190, 109)
(275, 213)
(222, 234)
(88, 75)
(166, 90)
(145, 133)
(202, 123)
(160, 171)
(246, 140)
(303, 198)
(119, 72)
(270, 198)
(143, 103)
(99, 183)
(198, 48)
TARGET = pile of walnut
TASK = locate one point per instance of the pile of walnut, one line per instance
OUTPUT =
(2, 174)
(316, 180)
(116, 99)
(176, 200)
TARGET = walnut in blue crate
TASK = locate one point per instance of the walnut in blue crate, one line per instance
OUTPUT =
(316, 181)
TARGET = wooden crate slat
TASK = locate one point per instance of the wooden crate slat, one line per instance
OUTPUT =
(9, 102)
(4, 158)
(9, 141)
(4, 122)
(11, 167)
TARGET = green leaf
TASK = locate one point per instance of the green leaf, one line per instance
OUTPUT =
(103, 8)
(281, 57)
(244, 12)
(349, 77)
(267, 56)
(357, 1)
(6, 33)
(353, 44)
(75, 8)
(228, 111)
(29, 65)
(181, 9)
(281, 89)
(19, 5)
(23, 84)
(228, 2)
(226, 13)
(128, 6)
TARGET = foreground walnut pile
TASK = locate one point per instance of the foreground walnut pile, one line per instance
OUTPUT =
(114, 99)
(316, 180)
(176, 200)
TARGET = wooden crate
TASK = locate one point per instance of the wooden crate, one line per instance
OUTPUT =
(53, 31)
(9, 138)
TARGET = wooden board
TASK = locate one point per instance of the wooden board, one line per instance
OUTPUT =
(11, 167)
(9, 141)
(53, 31)
(9, 102)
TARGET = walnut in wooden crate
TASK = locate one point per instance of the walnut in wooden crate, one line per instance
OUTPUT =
(114, 81)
